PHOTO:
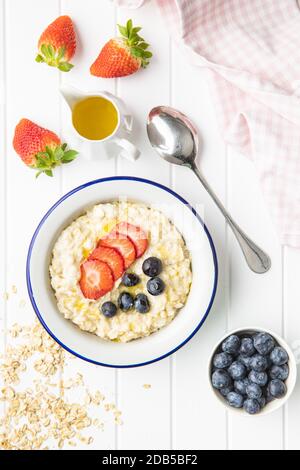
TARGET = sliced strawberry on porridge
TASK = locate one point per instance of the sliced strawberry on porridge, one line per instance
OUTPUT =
(96, 279)
(135, 234)
(112, 257)
(122, 244)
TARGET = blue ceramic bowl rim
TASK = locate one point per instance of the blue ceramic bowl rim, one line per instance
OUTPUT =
(98, 181)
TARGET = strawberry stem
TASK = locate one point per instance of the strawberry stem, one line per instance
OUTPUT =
(138, 46)
(54, 57)
(46, 161)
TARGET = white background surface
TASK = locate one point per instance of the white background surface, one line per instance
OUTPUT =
(179, 411)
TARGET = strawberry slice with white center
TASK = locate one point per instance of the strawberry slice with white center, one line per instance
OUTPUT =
(136, 235)
(96, 279)
(112, 257)
(122, 244)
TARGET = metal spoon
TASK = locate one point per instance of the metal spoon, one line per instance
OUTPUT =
(175, 139)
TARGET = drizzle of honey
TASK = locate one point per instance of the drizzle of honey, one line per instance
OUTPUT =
(85, 253)
(78, 304)
(134, 290)
(163, 252)
(107, 228)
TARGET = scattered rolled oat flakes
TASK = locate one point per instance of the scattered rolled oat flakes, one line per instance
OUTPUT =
(147, 386)
(36, 416)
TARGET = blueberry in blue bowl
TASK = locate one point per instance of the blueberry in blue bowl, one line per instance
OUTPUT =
(237, 370)
(245, 360)
(253, 371)
(277, 388)
(241, 385)
(231, 344)
(247, 348)
(264, 343)
(262, 402)
(226, 390)
(235, 399)
(258, 363)
(254, 391)
(280, 372)
(259, 378)
(221, 379)
(279, 356)
(222, 360)
(252, 406)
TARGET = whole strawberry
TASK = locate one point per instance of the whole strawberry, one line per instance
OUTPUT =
(57, 44)
(122, 56)
(40, 148)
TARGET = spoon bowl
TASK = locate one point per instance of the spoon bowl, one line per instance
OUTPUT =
(175, 139)
(173, 136)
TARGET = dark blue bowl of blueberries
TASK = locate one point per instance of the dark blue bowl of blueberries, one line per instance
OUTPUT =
(253, 371)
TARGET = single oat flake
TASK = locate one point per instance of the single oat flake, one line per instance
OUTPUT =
(147, 386)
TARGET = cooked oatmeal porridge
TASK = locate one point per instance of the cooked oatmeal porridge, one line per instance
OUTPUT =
(121, 271)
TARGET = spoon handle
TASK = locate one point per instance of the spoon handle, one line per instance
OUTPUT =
(257, 260)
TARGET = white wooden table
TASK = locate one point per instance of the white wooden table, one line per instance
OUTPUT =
(179, 411)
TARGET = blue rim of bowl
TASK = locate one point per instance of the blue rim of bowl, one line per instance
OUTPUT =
(103, 180)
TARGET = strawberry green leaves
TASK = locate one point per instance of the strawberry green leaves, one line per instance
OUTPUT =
(138, 46)
(54, 58)
(57, 44)
(53, 157)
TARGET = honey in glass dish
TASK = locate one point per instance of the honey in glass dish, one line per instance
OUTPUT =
(95, 118)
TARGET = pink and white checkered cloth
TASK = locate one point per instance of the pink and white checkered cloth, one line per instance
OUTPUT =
(251, 49)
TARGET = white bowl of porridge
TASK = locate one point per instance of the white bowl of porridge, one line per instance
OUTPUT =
(122, 272)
